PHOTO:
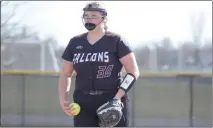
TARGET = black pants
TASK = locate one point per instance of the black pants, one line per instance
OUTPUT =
(90, 103)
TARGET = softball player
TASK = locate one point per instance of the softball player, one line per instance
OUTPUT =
(97, 57)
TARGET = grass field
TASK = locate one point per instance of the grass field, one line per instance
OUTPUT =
(153, 100)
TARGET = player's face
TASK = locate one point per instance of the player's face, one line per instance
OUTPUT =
(92, 17)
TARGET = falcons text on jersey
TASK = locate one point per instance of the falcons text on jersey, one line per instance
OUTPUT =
(91, 57)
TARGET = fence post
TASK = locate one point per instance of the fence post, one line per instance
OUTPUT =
(133, 106)
(23, 100)
(191, 106)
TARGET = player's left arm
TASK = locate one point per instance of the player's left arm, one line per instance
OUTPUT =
(128, 60)
(114, 107)
(130, 64)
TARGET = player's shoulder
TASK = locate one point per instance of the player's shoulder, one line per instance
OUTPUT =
(76, 39)
(113, 34)
(82, 35)
(79, 36)
(116, 36)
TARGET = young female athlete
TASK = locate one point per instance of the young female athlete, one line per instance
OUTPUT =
(97, 57)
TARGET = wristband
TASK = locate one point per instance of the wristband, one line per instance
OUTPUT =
(127, 82)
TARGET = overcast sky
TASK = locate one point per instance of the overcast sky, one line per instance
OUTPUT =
(138, 21)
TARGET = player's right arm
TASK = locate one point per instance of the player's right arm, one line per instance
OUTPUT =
(65, 83)
(65, 78)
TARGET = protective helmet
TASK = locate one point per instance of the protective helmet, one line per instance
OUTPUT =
(94, 6)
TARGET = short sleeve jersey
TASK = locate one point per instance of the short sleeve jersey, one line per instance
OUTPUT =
(97, 66)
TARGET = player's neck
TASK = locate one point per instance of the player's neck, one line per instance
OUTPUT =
(94, 36)
(96, 33)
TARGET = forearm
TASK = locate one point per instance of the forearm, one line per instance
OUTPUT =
(121, 92)
(64, 88)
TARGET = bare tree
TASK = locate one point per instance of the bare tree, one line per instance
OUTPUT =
(197, 27)
(12, 31)
(6, 18)
(9, 11)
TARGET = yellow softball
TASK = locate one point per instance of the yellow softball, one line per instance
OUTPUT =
(75, 108)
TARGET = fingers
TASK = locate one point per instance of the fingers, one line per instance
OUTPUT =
(65, 107)
(69, 113)
(72, 109)
(69, 109)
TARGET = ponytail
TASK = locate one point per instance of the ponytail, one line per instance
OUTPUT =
(105, 27)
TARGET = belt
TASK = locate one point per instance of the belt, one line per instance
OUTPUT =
(97, 92)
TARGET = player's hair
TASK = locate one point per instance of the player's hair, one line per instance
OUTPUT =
(105, 26)
(97, 6)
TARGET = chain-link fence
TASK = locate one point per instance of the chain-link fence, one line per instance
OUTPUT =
(156, 100)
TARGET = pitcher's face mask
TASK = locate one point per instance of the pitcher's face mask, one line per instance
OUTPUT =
(89, 20)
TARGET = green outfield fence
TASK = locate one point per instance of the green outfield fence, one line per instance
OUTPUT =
(158, 99)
